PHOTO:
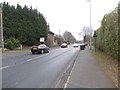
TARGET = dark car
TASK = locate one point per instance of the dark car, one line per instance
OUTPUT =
(39, 49)
(64, 45)
(82, 46)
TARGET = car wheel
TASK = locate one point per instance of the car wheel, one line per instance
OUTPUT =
(33, 52)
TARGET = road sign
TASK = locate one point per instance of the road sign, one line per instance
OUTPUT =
(42, 39)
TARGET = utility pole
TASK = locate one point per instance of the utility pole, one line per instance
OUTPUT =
(1, 28)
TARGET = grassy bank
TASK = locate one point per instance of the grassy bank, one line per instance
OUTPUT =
(25, 48)
(109, 65)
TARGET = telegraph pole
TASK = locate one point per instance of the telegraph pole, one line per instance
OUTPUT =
(1, 28)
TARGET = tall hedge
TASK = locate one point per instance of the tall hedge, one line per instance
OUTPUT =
(107, 34)
(119, 31)
(25, 24)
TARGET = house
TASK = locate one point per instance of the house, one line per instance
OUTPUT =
(50, 41)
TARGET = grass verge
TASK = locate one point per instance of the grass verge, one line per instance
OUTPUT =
(109, 65)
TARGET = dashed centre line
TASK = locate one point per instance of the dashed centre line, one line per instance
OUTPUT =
(23, 62)
(31, 59)
(4, 67)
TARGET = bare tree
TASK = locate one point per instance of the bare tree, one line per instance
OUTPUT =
(86, 31)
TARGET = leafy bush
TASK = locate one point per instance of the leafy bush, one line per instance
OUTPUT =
(12, 43)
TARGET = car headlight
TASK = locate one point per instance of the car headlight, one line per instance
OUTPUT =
(39, 47)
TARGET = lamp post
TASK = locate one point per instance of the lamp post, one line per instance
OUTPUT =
(1, 28)
(90, 28)
(90, 25)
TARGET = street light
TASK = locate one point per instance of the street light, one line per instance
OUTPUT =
(90, 25)
(1, 28)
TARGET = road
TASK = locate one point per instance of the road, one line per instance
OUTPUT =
(36, 71)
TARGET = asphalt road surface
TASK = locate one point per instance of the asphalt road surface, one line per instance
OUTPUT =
(24, 70)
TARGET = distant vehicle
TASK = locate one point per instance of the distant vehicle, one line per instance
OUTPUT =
(64, 45)
(75, 45)
(42, 48)
(82, 46)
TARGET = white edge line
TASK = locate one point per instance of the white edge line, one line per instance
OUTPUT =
(66, 84)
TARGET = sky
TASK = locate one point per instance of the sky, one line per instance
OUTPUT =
(70, 15)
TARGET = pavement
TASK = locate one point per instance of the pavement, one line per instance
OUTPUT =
(87, 73)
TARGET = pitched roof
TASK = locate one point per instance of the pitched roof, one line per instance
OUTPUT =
(51, 32)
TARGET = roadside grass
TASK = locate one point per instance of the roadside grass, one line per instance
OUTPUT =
(108, 64)
(23, 49)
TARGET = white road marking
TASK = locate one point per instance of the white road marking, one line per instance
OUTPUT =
(27, 60)
(23, 62)
(66, 84)
(4, 67)
(68, 79)
(36, 57)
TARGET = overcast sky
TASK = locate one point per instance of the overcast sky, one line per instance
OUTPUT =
(70, 15)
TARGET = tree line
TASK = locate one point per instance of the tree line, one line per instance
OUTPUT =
(107, 34)
(23, 23)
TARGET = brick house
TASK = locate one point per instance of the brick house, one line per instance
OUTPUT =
(50, 41)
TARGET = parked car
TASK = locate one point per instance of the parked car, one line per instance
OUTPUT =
(82, 46)
(75, 45)
(42, 48)
(64, 45)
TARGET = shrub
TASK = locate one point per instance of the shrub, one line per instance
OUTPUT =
(12, 43)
